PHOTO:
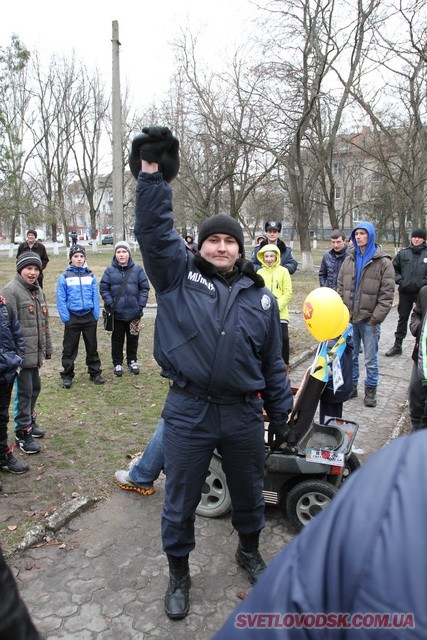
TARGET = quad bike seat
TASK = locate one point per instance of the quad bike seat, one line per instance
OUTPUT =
(321, 436)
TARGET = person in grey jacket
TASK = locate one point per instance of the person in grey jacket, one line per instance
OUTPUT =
(29, 304)
(366, 285)
(410, 266)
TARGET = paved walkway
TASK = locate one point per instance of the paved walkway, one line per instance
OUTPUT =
(104, 575)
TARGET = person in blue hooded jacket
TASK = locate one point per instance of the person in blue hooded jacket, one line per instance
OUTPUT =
(366, 285)
(127, 305)
(218, 342)
(358, 570)
(77, 301)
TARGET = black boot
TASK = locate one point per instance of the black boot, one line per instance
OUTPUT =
(370, 397)
(177, 598)
(396, 350)
(8, 462)
(354, 392)
(248, 555)
(24, 440)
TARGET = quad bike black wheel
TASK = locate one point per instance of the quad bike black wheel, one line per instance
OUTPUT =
(351, 464)
(306, 500)
(215, 500)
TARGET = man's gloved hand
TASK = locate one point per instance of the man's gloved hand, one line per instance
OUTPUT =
(278, 431)
(155, 144)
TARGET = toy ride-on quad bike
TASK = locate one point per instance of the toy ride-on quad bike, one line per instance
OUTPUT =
(304, 476)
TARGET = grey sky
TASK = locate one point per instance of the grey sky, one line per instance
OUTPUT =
(145, 30)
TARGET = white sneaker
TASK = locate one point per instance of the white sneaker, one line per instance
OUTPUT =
(122, 479)
(118, 370)
(133, 367)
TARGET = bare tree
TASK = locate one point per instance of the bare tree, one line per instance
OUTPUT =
(15, 199)
(397, 112)
(90, 112)
(221, 164)
(309, 42)
(52, 134)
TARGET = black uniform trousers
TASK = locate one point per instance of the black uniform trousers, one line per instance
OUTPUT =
(404, 308)
(417, 397)
(80, 326)
(193, 429)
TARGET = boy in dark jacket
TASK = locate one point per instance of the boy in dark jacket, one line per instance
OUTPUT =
(28, 302)
(78, 307)
(332, 260)
(127, 304)
(12, 354)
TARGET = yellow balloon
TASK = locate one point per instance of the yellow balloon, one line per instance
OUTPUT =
(325, 314)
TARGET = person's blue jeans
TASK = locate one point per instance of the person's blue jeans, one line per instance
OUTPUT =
(369, 335)
(148, 467)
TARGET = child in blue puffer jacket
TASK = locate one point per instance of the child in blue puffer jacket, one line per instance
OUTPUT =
(77, 300)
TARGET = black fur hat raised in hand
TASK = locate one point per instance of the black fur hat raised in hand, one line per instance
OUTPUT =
(155, 144)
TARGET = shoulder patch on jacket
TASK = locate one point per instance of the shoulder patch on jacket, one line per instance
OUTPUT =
(265, 302)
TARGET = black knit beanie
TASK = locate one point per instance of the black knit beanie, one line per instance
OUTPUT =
(418, 233)
(28, 258)
(221, 223)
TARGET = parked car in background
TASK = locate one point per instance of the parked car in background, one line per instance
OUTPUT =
(107, 239)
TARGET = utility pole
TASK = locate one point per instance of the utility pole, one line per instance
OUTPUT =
(118, 222)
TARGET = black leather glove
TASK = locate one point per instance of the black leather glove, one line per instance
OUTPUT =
(155, 144)
(278, 431)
